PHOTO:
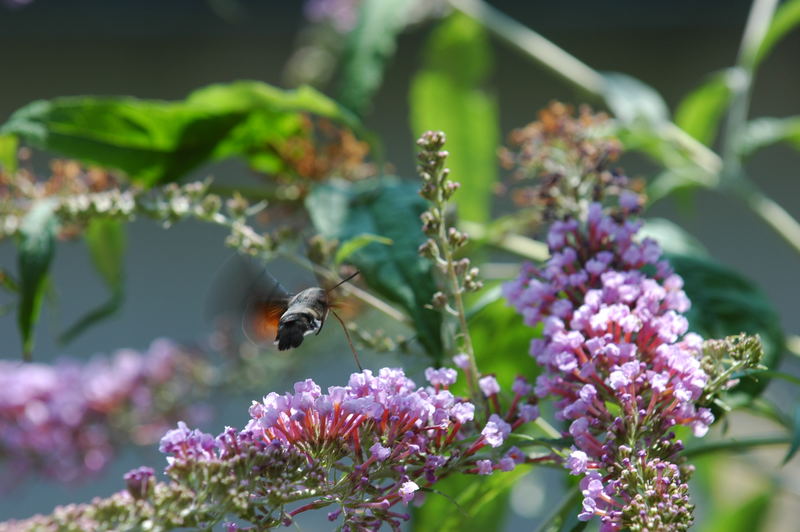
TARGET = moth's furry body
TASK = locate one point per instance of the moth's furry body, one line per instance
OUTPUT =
(305, 314)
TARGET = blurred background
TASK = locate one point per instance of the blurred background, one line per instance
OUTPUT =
(154, 49)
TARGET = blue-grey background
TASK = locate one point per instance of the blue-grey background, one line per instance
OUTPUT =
(156, 49)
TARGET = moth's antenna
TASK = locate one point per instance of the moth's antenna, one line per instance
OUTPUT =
(340, 283)
(347, 333)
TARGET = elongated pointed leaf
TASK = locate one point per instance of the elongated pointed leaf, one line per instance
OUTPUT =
(370, 46)
(155, 141)
(467, 502)
(762, 132)
(388, 208)
(356, 243)
(448, 95)
(36, 248)
(498, 328)
(106, 242)
(795, 445)
(700, 111)
(786, 18)
(745, 516)
(8, 153)
(725, 303)
(672, 238)
(633, 101)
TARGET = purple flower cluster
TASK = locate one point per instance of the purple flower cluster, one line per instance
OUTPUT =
(616, 355)
(63, 419)
(341, 14)
(396, 437)
(366, 447)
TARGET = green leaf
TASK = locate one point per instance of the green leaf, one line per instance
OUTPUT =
(743, 516)
(106, 242)
(389, 208)
(8, 153)
(467, 503)
(787, 16)
(672, 238)
(37, 236)
(356, 243)
(563, 515)
(634, 102)
(155, 141)
(795, 435)
(700, 111)
(497, 328)
(369, 47)
(446, 95)
(680, 182)
(762, 132)
(725, 303)
(773, 374)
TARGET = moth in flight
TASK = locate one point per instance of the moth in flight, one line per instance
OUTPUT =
(270, 313)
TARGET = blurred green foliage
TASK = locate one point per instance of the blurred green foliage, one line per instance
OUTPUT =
(447, 94)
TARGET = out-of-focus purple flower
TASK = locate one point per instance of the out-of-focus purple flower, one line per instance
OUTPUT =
(380, 452)
(407, 491)
(489, 385)
(528, 412)
(496, 431)
(342, 14)
(441, 377)
(13, 4)
(577, 462)
(461, 361)
(521, 386)
(61, 419)
(137, 481)
(484, 467)
(185, 444)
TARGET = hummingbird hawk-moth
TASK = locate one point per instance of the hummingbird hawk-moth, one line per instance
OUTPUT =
(270, 313)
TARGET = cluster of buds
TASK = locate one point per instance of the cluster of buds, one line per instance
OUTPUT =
(725, 359)
(363, 449)
(560, 163)
(233, 475)
(617, 355)
(64, 420)
(169, 204)
(67, 179)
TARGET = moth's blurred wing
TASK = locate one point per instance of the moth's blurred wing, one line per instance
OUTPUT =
(245, 293)
(260, 322)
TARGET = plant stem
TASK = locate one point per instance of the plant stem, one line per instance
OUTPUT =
(458, 301)
(717, 169)
(757, 25)
(545, 52)
(570, 69)
(793, 344)
(548, 429)
(735, 445)
(770, 211)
